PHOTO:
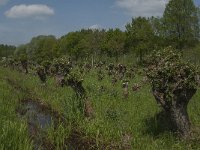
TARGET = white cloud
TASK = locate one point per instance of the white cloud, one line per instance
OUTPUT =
(2, 2)
(144, 8)
(95, 26)
(29, 11)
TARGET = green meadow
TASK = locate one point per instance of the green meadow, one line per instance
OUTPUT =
(118, 122)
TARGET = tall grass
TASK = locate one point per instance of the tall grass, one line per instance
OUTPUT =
(114, 118)
(13, 131)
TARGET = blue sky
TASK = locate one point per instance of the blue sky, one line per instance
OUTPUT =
(20, 20)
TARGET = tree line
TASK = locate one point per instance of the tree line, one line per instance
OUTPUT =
(178, 27)
(6, 50)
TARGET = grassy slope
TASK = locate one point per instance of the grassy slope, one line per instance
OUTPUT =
(114, 115)
(13, 131)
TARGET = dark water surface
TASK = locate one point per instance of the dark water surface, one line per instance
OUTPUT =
(39, 120)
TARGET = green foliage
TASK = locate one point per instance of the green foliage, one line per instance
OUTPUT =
(114, 117)
(181, 23)
(178, 27)
(192, 54)
(8, 61)
(61, 65)
(90, 43)
(140, 37)
(168, 73)
(40, 68)
(159, 40)
(46, 63)
(75, 75)
(6, 50)
(20, 50)
(42, 48)
(113, 43)
(13, 131)
(76, 44)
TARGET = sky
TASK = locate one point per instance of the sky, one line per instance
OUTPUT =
(20, 20)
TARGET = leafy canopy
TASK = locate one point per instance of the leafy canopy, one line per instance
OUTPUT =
(169, 73)
(181, 23)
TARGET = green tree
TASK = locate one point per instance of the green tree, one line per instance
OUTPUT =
(181, 23)
(95, 40)
(74, 44)
(80, 44)
(158, 30)
(6, 50)
(42, 48)
(140, 37)
(20, 50)
(113, 43)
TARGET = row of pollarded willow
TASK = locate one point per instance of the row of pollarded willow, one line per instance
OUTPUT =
(174, 82)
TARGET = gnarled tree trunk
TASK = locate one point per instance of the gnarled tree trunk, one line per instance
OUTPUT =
(177, 108)
(85, 104)
(25, 66)
(180, 119)
(42, 75)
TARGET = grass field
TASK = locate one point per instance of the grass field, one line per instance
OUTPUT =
(119, 123)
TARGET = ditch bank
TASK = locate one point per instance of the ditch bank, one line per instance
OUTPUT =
(41, 116)
(39, 119)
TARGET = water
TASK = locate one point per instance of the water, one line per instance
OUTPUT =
(37, 116)
(39, 120)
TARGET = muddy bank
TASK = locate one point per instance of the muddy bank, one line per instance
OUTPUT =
(39, 118)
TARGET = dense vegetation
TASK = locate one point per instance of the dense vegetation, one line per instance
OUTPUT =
(177, 28)
(98, 86)
(6, 50)
(173, 84)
